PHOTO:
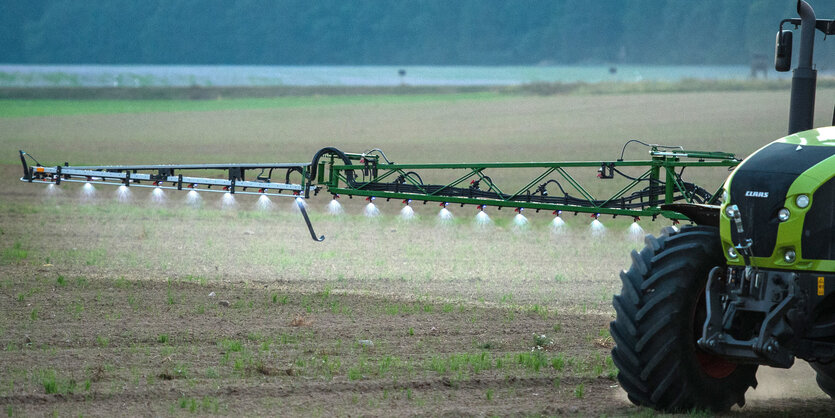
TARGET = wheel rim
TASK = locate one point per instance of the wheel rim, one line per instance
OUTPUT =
(710, 364)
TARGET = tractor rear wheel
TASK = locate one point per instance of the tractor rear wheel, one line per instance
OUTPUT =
(660, 313)
(825, 377)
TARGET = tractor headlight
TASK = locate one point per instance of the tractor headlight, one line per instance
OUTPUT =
(802, 201)
(789, 256)
(783, 215)
(732, 211)
(732, 252)
(725, 196)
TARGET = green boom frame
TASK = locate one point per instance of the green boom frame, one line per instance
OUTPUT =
(403, 181)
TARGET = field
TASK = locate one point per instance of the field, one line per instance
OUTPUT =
(136, 308)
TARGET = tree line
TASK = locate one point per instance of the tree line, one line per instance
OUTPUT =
(394, 32)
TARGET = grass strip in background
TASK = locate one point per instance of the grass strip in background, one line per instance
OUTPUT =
(54, 107)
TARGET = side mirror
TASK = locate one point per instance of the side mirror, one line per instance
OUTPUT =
(783, 51)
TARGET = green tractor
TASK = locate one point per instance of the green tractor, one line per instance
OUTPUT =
(753, 282)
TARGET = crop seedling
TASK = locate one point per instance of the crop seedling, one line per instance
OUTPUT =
(15, 254)
(534, 360)
(102, 342)
(558, 362)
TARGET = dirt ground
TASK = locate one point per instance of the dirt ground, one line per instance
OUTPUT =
(135, 308)
(296, 356)
(105, 315)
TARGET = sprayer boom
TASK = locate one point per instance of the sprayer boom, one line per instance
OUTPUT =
(654, 188)
(170, 177)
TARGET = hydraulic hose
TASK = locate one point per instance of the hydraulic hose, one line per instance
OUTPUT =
(314, 166)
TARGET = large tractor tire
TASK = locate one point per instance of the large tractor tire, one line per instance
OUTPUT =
(660, 313)
(826, 377)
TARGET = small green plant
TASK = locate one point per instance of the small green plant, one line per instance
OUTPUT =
(699, 413)
(197, 279)
(611, 369)
(54, 384)
(534, 360)
(133, 302)
(489, 394)
(77, 309)
(34, 314)
(539, 310)
(181, 370)
(50, 385)
(102, 341)
(15, 254)
(162, 339)
(61, 281)
(579, 391)
(230, 345)
(411, 331)
(208, 404)
(558, 362)
(541, 341)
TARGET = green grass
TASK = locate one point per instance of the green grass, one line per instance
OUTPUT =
(580, 391)
(204, 405)
(28, 108)
(456, 362)
(534, 360)
(102, 342)
(13, 254)
(53, 383)
(230, 345)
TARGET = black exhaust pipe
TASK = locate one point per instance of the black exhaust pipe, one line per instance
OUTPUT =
(804, 80)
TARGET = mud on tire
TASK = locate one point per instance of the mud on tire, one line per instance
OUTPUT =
(660, 312)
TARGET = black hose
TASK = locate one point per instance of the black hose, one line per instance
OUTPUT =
(290, 171)
(542, 187)
(413, 174)
(314, 166)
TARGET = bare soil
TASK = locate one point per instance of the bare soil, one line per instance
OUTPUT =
(136, 309)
